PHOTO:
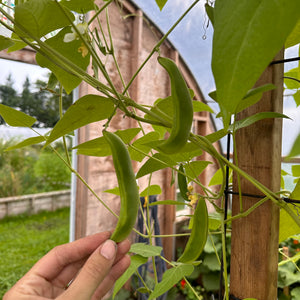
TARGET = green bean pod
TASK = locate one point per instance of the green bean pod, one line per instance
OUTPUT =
(182, 183)
(183, 109)
(128, 188)
(198, 237)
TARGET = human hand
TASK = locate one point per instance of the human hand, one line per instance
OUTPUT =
(94, 263)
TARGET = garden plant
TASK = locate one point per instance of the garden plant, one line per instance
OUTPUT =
(247, 36)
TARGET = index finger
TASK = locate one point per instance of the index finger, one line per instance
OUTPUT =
(61, 256)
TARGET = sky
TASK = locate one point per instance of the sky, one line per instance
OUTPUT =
(193, 39)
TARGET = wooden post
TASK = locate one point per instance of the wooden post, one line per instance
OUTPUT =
(254, 254)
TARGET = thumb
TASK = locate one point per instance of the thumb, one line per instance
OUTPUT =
(93, 272)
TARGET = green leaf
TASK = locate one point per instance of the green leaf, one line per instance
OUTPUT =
(287, 275)
(170, 278)
(96, 147)
(214, 221)
(157, 162)
(195, 168)
(295, 151)
(166, 202)
(5, 42)
(145, 250)
(161, 3)
(70, 52)
(151, 190)
(296, 170)
(294, 37)
(99, 146)
(18, 43)
(290, 79)
(211, 281)
(141, 144)
(255, 118)
(295, 293)
(27, 142)
(297, 98)
(136, 261)
(115, 191)
(215, 136)
(217, 178)
(40, 17)
(189, 151)
(210, 260)
(253, 96)
(240, 56)
(210, 12)
(15, 117)
(79, 6)
(86, 110)
(199, 106)
(288, 227)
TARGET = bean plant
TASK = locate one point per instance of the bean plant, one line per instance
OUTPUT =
(247, 36)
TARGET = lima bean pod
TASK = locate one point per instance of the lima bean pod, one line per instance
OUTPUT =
(182, 183)
(183, 109)
(198, 237)
(128, 188)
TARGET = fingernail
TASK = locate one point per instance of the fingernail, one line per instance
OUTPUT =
(109, 249)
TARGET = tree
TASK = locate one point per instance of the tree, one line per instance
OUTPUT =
(36, 101)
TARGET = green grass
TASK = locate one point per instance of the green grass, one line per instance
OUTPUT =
(24, 239)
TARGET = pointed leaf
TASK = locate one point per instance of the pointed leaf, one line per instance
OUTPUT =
(5, 42)
(291, 77)
(136, 261)
(18, 43)
(115, 191)
(15, 117)
(170, 278)
(294, 37)
(210, 12)
(151, 190)
(297, 98)
(195, 168)
(295, 151)
(255, 118)
(40, 17)
(240, 56)
(215, 136)
(27, 142)
(189, 151)
(71, 52)
(100, 147)
(157, 162)
(199, 106)
(145, 250)
(141, 145)
(86, 110)
(161, 3)
(253, 96)
(167, 202)
(296, 192)
(287, 227)
(296, 170)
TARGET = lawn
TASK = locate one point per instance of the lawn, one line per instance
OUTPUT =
(24, 239)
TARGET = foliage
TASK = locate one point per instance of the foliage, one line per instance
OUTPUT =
(24, 239)
(66, 48)
(30, 170)
(37, 101)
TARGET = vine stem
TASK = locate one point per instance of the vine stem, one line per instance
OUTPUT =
(159, 44)
(60, 116)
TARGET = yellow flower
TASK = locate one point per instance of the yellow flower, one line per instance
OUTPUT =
(84, 50)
